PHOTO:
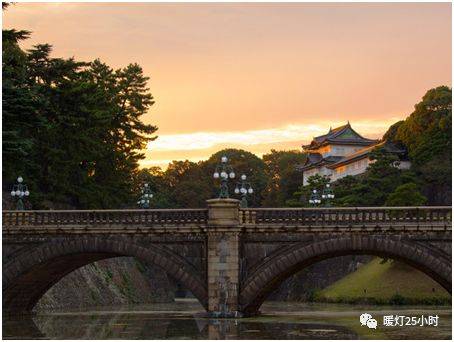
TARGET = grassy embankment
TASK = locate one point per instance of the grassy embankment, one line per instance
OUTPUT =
(391, 282)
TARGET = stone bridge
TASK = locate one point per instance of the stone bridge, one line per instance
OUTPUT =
(223, 269)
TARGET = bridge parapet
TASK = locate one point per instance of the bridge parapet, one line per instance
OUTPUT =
(404, 217)
(69, 219)
(427, 218)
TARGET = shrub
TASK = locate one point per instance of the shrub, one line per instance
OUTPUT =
(398, 299)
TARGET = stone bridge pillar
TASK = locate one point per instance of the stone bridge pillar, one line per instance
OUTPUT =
(223, 257)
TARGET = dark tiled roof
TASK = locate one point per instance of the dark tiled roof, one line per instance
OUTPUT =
(341, 135)
(313, 158)
(333, 159)
(316, 160)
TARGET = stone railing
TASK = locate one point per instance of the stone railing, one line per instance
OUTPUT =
(93, 218)
(302, 217)
(360, 216)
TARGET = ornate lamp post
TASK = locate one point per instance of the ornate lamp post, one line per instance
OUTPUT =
(20, 191)
(315, 198)
(144, 200)
(328, 195)
(244, 188)
(224, 172)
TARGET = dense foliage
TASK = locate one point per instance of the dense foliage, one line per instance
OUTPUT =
(283, 179)
(189, 184)
(374, 187)
(405, 195)
(427, 134)
(72, 129)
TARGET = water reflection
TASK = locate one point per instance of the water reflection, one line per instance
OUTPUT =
(132, 326)
(183, 320)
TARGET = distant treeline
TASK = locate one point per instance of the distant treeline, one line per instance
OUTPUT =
(73, 130)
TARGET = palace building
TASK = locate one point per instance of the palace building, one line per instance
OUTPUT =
(342, 152)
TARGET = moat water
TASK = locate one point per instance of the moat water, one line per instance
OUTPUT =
(184, 319)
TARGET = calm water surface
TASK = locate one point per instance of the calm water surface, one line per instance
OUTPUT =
(184, 320)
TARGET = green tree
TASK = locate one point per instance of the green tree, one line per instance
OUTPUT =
(188, 184)
(373, 187)
(406, 195)
(126, 98)
(301, 197)
(283, 177)
(72, 129)
(390, 134)
(343, 188)
(427, 133)
(243, 162)
(383, 177)
(20, 113)
(155, 178)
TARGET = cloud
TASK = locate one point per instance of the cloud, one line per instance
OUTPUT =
(294, 132)
(198, 146)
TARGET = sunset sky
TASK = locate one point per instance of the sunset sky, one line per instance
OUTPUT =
(257, 76)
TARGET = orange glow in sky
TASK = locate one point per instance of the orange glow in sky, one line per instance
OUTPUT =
(257, 76)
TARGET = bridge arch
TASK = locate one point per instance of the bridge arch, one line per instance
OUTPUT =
(268, 275)
(28, 276)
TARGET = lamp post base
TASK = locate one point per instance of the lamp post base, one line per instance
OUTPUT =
(20, 205)
(243, 203)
